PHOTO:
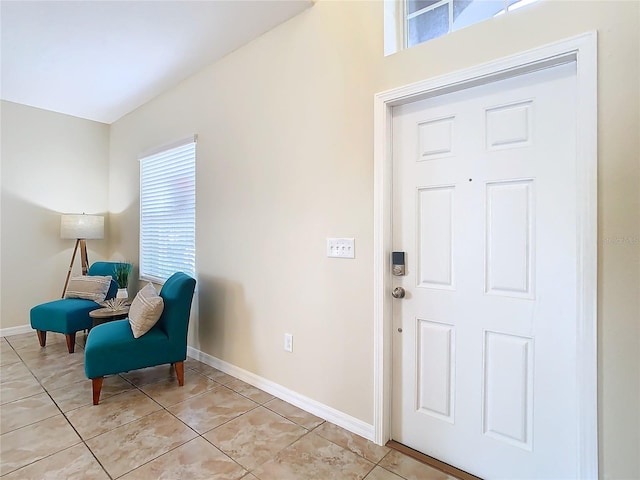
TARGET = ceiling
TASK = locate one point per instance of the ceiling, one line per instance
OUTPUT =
(100, 60)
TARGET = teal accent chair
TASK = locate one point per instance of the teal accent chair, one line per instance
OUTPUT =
(112, 349)
(70, 315)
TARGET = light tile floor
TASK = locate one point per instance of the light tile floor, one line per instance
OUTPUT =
(216, 427)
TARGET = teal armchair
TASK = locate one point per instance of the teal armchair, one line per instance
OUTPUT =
(70, 315)
(111, 347)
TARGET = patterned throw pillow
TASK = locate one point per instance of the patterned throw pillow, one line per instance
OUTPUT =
(145, 310)
(89, 287)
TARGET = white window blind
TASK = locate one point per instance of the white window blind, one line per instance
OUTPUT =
(168, 212)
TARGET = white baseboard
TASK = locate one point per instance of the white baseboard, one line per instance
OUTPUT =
(7, 332)
(314, 407)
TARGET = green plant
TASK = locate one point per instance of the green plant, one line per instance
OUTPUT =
(122, 272)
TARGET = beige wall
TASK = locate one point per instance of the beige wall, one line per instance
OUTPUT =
(51, 164)
(285, 129)
(285, 159)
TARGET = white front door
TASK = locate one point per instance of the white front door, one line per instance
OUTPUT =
(484, 205)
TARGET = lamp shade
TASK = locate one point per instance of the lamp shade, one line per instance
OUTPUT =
(82, 226)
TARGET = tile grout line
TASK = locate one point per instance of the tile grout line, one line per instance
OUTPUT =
(198, 435)
(164, 408)
(82, 440)
(308, 431)
(202, 435)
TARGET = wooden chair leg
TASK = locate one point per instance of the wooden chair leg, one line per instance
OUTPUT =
(71, 341)
(96, 386)
(179, 366)
(42, 337)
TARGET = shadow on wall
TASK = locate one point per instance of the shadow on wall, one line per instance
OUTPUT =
(126, 238)
(223, 326)
(34, 255)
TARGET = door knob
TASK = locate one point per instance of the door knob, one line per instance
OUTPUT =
(398, 292)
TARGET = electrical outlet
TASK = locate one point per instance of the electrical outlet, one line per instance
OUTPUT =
(288, 342)
(341, 247)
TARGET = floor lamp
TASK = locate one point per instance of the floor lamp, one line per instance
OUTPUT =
(80, 228)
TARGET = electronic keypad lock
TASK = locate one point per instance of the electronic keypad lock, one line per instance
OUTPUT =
(397, 264)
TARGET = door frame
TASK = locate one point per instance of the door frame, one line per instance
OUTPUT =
(582, 50)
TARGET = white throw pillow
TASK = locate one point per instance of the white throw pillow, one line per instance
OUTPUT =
(89, 287)
(145, 310)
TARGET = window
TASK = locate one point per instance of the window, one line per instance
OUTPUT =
(422, 20)
(168, 211)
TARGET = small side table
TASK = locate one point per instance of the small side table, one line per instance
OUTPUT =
(103, 315)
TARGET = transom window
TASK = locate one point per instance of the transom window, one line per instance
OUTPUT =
(418, 21)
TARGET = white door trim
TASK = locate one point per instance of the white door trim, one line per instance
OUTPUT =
(582, 50)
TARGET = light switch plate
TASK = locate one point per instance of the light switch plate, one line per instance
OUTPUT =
(341, 248)
(288, 342)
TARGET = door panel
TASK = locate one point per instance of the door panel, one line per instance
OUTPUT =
(510, 240)
(508, 392)
(484, 205)
(435, 369)
(435, 237)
